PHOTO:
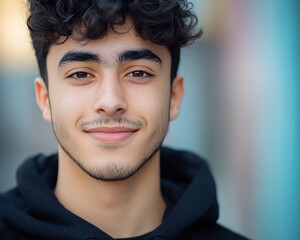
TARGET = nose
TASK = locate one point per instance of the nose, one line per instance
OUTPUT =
(110, 98)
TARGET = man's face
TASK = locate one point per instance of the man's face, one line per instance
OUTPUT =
(109, 102)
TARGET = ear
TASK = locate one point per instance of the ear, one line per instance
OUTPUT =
(42, 98)
(176, 97)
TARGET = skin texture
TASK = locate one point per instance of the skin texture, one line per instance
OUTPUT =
(110, 179)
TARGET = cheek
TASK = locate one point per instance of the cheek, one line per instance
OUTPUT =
(60, 131)
(67, 107)
(152, 105)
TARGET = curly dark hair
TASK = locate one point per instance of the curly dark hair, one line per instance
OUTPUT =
(165, 22)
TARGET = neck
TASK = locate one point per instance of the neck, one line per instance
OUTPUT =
(122, 209)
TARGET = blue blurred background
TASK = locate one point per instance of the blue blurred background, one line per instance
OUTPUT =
(240, 112)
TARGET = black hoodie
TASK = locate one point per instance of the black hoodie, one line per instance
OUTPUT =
(31, 210)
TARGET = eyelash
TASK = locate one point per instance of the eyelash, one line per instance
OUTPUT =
(75, 75)
(85, 76)
(144, 73)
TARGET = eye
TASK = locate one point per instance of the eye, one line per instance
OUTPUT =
(139, 74)
(80, 75)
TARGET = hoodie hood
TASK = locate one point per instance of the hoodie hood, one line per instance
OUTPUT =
(188, 183)
(33, 212)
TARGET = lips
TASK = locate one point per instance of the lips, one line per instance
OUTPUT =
(112, 134)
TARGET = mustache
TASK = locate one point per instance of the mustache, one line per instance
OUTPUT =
(99, 122)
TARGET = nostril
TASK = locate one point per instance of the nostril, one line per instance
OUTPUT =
(110, 106)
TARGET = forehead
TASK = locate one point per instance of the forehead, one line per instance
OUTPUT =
(109, 47)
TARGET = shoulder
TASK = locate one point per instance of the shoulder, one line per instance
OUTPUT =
(210, 232)
(220, 232)
(9, 201)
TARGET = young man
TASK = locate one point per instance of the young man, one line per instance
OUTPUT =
(109, 86)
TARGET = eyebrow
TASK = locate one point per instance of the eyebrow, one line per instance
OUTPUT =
(137, 54)
(127, 55)
(74, 56)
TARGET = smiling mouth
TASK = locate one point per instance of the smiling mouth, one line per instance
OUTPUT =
(111, 135)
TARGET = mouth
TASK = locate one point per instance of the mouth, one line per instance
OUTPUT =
(111, 134)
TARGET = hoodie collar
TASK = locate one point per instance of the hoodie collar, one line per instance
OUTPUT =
(186, 181)
(188, 184)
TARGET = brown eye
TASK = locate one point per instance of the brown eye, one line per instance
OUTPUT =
(80, 75)
(139, 74)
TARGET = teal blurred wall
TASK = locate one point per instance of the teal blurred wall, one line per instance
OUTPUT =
(278, 152)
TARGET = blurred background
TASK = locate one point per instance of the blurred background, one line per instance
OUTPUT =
(240, 111)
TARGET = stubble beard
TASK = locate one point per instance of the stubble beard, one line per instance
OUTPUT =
(114, 172)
